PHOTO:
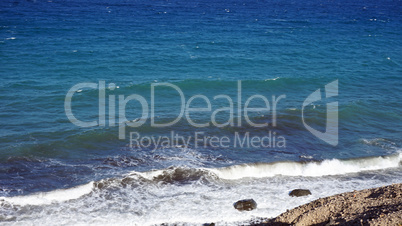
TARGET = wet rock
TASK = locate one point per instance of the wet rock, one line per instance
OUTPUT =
(245, 204)
(300, 192)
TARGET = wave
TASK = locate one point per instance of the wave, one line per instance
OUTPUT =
(44, 198)
(188, 175)
(260, 170)
(309, 169)
(272, 79)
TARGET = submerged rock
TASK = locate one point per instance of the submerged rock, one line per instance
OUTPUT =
(245, 204)
(300, 192)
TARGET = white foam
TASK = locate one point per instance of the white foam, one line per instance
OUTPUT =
(306, 157)
(192, 204)
(149, 175)
(197, 202)
(312, 169)
(378, 142)
(43, 198)
(272, 79)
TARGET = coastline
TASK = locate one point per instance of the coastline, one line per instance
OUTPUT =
(197, 113)
(375, 206)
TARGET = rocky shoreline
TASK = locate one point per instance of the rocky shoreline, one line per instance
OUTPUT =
(376, 206)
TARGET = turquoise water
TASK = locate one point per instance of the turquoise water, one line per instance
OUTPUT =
(272, 48)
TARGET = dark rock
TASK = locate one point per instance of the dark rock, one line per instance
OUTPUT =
(245, 204)
(300, 192)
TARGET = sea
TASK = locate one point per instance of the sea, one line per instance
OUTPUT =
(149, 112)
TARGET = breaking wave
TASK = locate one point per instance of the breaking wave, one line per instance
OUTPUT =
(44, 198)
(188, 175)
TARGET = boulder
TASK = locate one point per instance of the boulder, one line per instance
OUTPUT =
(300, 192)
(245, 204)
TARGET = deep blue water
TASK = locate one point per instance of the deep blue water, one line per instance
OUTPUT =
(273, 47)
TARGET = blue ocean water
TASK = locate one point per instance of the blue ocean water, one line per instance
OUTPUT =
(49, 165)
